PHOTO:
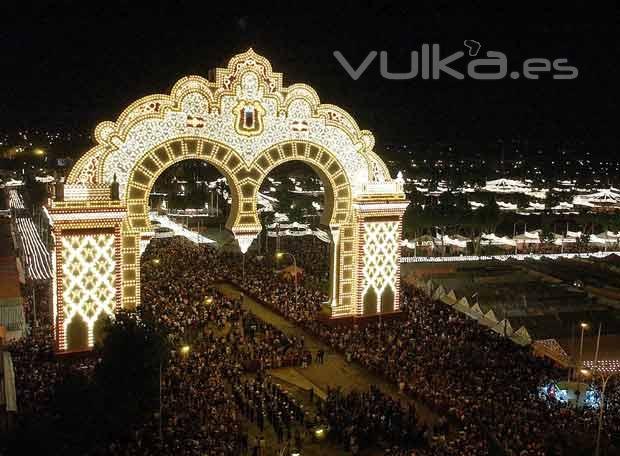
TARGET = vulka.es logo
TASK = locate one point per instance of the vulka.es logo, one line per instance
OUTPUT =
(428, 64)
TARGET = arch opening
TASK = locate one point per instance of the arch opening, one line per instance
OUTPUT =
(190, 198)
(295, 206)
(164, 160)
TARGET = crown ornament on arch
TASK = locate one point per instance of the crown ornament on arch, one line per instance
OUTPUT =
(245, 106)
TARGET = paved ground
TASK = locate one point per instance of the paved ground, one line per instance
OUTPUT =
(334, 372)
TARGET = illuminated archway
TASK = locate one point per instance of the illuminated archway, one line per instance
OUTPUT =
(245, 123)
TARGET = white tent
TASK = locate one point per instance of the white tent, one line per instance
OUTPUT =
(503, 327)
(462, 305)
(529, 237)
(605, 197)
(493, 239)
(506, 186)
(449, 298)
(522, 336)
(439, 292)
(490, 316)
(476, 312)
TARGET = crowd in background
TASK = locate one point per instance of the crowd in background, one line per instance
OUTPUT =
(486, 389)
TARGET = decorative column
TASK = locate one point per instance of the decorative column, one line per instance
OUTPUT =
(334, 266)
(88, 269)
(379, 232)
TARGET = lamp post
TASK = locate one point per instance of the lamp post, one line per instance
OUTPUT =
(281, 254)
(583, 326)
(605, 376)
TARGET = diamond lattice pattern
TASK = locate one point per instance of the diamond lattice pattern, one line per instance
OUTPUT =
(88, 267)
(380, 256)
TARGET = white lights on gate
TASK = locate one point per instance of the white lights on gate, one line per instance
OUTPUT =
(381, 244)
(245, 123)
(88, 267)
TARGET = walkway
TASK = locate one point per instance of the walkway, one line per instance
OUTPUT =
(335, 372)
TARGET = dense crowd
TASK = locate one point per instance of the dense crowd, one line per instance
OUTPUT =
(360, 419)
(485, 389)
(309, 251)
(486, 384)
(262, 400)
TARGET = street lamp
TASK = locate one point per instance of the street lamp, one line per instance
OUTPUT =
(280, 255)
(583, 326)
(156, 260)
(605, 376)
(39, 152)
(185, 350)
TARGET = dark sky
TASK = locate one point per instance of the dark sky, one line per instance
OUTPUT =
(73, 64)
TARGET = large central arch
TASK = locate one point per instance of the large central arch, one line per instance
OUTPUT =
(245, 123)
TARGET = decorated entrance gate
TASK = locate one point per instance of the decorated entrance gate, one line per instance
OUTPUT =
(244, 122)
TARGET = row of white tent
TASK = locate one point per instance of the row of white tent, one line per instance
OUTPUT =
(528, 237)
(521, 336)
(506, 257)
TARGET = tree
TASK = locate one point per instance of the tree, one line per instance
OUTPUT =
(552, 199)
(522, 200)
(295, 213)
(89, 412)
(547, 236)
(284, 196)
(128, 374)
(481, 221)
(583, 242)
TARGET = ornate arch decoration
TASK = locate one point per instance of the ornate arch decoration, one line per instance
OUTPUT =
(244, 108)
(245, 122)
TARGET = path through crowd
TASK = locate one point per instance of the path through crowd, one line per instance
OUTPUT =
(334, 372)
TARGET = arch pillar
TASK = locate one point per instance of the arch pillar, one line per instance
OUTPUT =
(378, 228)
(88, 265)
(334, 265)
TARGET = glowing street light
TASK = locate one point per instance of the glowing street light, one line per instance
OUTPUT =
(319, 433)
(185, 350)
(583, 326)
(156, 261)
(39, 152)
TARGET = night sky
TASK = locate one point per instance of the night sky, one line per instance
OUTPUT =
(70, 65)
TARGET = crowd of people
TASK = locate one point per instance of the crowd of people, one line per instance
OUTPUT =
(263, 400)
(216, 396)
(487, 385)
(360, 419)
